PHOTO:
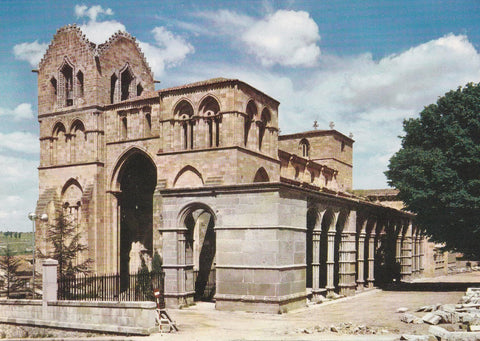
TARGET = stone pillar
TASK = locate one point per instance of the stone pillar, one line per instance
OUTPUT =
(415, 256)
(407, 256)
(331, 260)
(316, 261)
(421, 255)
(360, 260)
(371, 260)
(50, 285)
(347, 264)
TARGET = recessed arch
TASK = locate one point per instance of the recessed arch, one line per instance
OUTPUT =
(209, 106)
(265, 119)
(183, 109)
(188, 176)
(116, 173)
(261, 175)
(200, 247)
(251, 113)
(136, 179)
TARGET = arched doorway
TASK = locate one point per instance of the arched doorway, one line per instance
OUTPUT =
(137, 180)
(200, 249)
(342, 218)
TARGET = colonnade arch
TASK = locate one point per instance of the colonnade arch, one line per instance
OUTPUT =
(346, 249)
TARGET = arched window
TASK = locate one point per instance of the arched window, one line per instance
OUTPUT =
(113, 88)
(66, 84)
(249, 118)
(53, 91)
(80, 84)
(304, 147)
(139, 89)
(264, 120)
(184, 113)
(126, 80)
(209, 109)
(148, 124)
(124, 128)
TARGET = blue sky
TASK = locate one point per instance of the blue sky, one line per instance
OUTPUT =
(365, 65)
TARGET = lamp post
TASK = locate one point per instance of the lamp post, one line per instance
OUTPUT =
(32, 216)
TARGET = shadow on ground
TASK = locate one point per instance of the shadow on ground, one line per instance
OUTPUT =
(427, 286)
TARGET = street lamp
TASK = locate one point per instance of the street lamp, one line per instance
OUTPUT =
(32, 216)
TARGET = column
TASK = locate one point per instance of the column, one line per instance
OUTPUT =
(361, 259)
(330, 260)
(421, 254)
(407, 256)
(347, 263)
(316, 261)
(371, 260)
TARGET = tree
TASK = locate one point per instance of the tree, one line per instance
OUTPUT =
(65, 239)
(437, 169)
(9, 264)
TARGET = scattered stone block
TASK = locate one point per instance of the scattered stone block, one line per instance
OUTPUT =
(432, 318)
(402, 310)
(474, 328)
(408, 318)
(409, 337)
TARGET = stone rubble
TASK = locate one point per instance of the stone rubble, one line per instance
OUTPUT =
(466, 314)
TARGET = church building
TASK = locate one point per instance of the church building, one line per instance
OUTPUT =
(199, 174)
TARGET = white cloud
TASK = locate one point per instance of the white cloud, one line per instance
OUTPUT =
(169, 50)
(30, 52)
(92, 12)
(287, 38)
(99, 32)
(19, 142)
(21, 111)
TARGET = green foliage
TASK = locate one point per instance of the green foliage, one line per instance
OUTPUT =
(9, 264)
(144, 283)
(66, 244)
(437, 170)
(156, 263)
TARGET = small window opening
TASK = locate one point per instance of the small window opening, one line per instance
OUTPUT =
(67, 73)
(80, 83)
(210, 133)
(217, 134)
(148, 121)
(185, 135)
(113, 86)
(126, 81)
(343, 146)
(53, 82)
(124, 128)
(139, 89)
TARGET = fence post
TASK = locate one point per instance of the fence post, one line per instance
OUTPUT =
(50, 285)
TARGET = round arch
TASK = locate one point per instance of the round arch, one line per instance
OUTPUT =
(199, 221)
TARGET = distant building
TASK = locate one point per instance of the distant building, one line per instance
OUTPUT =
(199, 174)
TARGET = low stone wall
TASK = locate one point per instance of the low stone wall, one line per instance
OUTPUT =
(113, 317)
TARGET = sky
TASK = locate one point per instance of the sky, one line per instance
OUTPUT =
(363, 65)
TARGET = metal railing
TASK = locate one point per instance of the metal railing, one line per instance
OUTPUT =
(134, 287)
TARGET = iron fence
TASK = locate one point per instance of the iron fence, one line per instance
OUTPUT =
(136, 287)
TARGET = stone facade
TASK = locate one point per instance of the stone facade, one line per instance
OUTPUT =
(199, 175)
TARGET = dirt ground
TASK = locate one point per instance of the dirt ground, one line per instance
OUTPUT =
(371, 315)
